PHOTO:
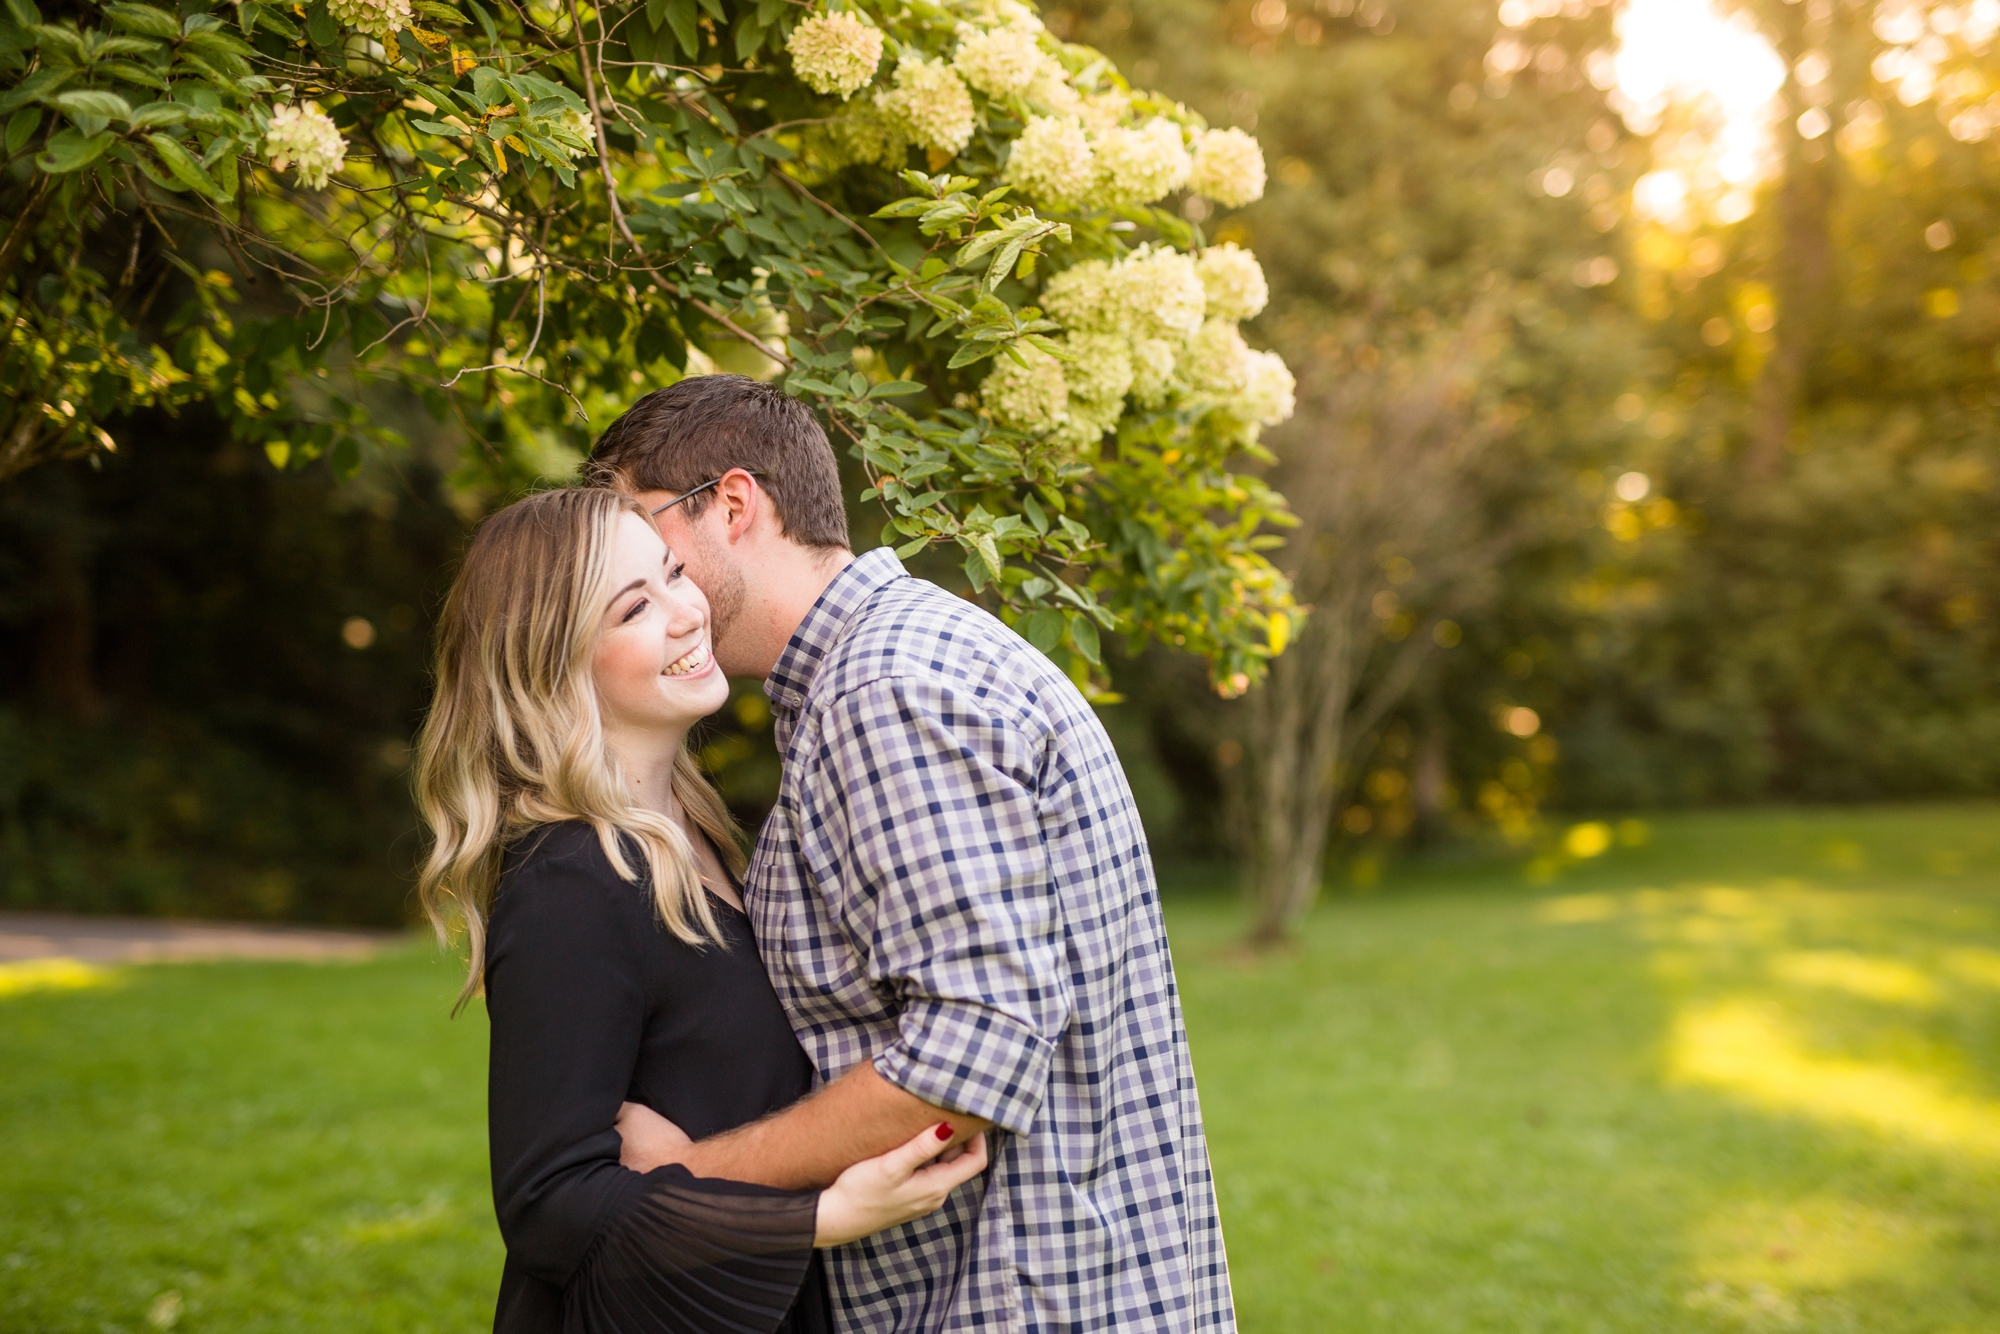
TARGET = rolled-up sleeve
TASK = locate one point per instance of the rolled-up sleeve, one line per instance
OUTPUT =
(940, 875)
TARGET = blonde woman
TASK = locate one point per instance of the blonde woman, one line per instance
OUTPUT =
(593, 872)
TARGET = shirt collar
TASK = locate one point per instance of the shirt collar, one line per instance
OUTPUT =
(823, 626)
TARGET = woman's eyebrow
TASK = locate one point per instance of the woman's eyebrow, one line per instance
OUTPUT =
(636, 583)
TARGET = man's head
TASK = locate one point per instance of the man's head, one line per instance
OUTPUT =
(773, 516)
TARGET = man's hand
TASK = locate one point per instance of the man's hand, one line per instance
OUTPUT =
(649, 1139)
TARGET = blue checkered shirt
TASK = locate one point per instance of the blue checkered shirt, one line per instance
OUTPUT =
(955, 885)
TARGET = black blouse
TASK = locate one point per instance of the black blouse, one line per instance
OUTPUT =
(594, 1003)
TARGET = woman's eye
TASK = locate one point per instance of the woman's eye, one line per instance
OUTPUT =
(676, 572)
(632, 611)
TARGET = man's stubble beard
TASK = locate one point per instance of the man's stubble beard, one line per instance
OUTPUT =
(727, 594)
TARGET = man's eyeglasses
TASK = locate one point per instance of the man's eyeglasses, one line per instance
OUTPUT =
(691, 494)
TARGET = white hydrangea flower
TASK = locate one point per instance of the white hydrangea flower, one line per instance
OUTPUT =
(1083, 297)
(1233, 280)
(1027, 398)
(1141, 165)
(1153, 369)
(1103, 110)
(1160, 294)
(1050, 91)
(377, 18)
(1271, 394)
(1009, 14)
(574, 133)
(1216, 363)
(864, 132)
(1086, 423)
(303, 137)
(1102, 371)
(835, 53)
(932, 102)
(1228, 168)
(1000, 61)
(1051, 160)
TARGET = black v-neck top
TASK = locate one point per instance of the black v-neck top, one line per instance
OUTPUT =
(593, 1003)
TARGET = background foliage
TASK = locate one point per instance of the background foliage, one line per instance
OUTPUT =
(1601, 507)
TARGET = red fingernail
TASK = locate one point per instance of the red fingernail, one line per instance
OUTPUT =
(944, 1130)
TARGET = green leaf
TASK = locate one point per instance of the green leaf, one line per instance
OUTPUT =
(221, 44)
(1032, 508)
(970, 352)
(909, 549)
(1083, 634)
(154, 115)
(988, 551)
(130, 73)
(896, 389)
(437, 127)
(681, 16)
(147, 20)
(749, 36)
(445, 13)
(1043, 629)
(93, 102)
(279, 452)
(69, 150)
(320, 26)
(24, 12)
(35, 87)
(185, 169)
(21, 127)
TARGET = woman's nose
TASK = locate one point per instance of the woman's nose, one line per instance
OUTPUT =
(683, 616)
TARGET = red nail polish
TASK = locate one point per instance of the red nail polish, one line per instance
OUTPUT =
(944, 1130)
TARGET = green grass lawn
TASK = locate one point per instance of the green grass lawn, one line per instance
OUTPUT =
(1743, 1075)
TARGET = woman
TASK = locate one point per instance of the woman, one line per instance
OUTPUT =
(591, 866)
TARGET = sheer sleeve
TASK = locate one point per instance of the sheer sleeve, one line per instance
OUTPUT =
(695, 1256)
(569, 994)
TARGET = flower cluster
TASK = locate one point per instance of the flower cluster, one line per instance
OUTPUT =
(1157, 325)
(1233, 280)
(835, 53)
(1139, 166)
(1027, 398)
(377, 18)
(864, 132)
(303, 137)
(1000, 61)
(931, 102)
(1228, 168)
(1051, 160)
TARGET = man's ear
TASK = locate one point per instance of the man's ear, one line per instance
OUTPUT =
(743, 503)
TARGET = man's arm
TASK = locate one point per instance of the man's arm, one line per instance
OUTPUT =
(804, 1147)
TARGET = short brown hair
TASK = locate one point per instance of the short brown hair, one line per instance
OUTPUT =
(696, 429)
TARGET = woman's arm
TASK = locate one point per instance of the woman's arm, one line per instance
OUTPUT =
(568, 992)
(905, 1183)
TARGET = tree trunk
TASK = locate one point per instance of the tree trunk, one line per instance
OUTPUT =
(1295, 740)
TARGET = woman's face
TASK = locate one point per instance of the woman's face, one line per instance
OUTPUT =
(653, 667)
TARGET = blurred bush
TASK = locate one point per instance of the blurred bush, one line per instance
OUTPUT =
(209, 675)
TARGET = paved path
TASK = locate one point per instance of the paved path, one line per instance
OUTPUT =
(154, 940)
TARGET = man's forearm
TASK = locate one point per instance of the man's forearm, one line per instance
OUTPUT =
(806, 1146)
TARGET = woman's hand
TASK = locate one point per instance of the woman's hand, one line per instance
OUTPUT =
(900, 1185)
(649, 1140)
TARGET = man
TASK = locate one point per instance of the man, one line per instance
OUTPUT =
(953, 898)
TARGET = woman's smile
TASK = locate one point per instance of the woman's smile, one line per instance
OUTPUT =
(695, 662)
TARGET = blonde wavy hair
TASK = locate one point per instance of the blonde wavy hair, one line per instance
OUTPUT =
(514, 740)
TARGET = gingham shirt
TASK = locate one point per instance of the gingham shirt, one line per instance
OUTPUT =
(955, 884)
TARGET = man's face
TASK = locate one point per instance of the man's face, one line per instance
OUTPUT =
(702, 544)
